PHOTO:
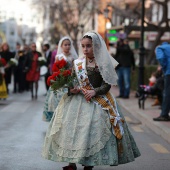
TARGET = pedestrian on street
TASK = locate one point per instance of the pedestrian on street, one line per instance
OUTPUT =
(163, 57)
(19, 74)
(7, 55)
(16, 70)
(67, 52)
(47, 54)
(33, 73)
(88, 127)
(26, 56)
(54, 53)
(125, 57)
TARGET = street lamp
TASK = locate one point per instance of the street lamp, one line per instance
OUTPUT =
(142, 49)
(106, 12)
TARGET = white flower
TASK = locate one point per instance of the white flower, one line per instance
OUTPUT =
(14, 61)
(42, 59)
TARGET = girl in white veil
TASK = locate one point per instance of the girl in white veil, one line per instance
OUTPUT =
(67, 52)
(72, 50)
(88, 127)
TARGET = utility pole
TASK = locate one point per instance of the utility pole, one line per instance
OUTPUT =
(142, 49)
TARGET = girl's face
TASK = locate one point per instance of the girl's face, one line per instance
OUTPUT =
(87, 47)
(66, 45)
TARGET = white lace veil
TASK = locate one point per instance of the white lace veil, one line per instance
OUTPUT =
(104, 60)
(72, 49)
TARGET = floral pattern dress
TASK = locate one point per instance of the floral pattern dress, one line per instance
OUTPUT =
(80, 132)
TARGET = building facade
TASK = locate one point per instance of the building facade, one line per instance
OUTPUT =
(20, 22)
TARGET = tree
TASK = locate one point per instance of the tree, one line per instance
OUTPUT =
(162, 26)
(69, 17)
(133, 14)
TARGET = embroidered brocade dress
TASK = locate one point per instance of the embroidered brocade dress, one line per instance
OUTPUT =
(3, 89)
(80, 132)
(52, 100)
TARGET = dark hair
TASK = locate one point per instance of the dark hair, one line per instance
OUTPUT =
(87, 36)
(64, 40)
(47, 45)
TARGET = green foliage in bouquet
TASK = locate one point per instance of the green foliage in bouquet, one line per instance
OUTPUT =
(63, 81)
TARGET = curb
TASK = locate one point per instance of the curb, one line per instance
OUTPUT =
(156, 127)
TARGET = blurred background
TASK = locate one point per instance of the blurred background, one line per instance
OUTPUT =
(26, 21)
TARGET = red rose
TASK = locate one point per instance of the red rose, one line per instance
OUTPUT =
(56, 74)
(2, 61)
(60, 66)
(55, 68)
(63, 62)
(66, 73)
(49, 80)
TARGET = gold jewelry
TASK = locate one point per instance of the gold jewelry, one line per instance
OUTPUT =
(91, 60)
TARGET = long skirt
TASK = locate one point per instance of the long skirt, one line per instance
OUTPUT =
(51, 103)
(3, 89)
(80, 132)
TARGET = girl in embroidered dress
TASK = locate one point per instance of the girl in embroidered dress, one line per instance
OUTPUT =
(67, 52)
(3, 89)
(88, 127)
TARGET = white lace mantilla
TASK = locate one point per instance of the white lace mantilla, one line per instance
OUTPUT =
(78, 131)
(105, 62)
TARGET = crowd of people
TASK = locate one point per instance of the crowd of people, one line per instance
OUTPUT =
(158, 83)
(26, 69)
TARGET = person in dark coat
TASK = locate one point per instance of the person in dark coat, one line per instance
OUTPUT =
(7, 55)
(33, 70)
(15, 69)
(125, 58)
(47, 53)
(26, 55)
(20, 71)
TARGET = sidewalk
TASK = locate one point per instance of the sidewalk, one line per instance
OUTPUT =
(145, 116)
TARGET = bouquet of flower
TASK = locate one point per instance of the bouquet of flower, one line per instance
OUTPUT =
(42, 61)
(13, 62)
(61, 77)
(2, 62)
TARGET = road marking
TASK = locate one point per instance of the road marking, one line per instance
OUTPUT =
(128, 119)
(158, 148)
(137, 129)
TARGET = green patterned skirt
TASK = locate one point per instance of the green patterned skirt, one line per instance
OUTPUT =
(51, 103)
(80, 132)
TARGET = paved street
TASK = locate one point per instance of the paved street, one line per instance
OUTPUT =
(22, 132)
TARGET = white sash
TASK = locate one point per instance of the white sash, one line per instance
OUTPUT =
(81, 72)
